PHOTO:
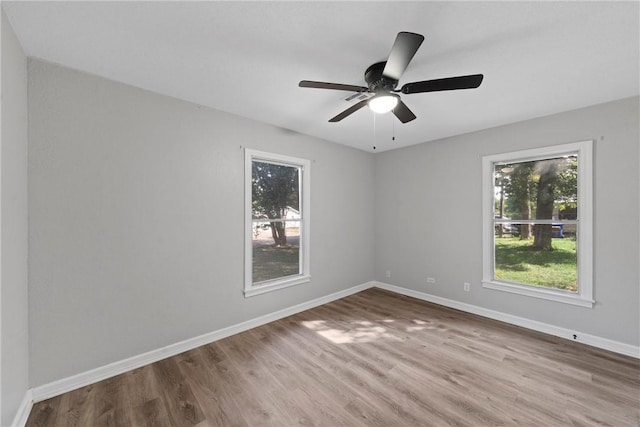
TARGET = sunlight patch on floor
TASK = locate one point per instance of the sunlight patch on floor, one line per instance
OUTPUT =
(359, 332)
(420, 325)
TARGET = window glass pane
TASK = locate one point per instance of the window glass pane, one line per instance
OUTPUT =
(519, 260)
(541, 189)
(276, 250)
(275, 192)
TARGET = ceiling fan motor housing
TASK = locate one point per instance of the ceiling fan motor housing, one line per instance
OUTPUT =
(376, 81)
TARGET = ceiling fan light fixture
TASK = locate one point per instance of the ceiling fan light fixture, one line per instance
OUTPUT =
(383, 103)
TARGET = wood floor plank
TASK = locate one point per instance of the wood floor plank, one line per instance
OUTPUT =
(209, 389)
(81, 407)
(181, 404)
(326, 396)
(152, 412)
(45, 413)
(372, 359)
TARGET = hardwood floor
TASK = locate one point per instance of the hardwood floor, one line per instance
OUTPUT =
(375, 358)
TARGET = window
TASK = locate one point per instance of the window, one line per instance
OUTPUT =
(276, 222)
(537, 218)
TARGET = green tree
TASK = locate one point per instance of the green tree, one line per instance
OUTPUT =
(545, 198)
(534, 189)
(567, 184)
(519, 193)
(274, 188)
(557, 188)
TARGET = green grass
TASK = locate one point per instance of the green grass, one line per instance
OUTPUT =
(517, 261)
(271, 262)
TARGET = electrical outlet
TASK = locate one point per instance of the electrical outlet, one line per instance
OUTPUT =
(388, 273)
(467, 286)
(431, 280)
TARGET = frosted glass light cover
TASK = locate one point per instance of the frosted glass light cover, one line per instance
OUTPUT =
(383, 104)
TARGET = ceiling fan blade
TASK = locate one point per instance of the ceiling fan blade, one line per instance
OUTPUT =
(349, 111)
(403, 50)
(335, 86)
(449, 83)
(403, 113)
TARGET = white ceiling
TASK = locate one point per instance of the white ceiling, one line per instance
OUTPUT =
(538, 58)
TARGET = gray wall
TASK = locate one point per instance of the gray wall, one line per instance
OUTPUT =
(429, 221)
(14, 345)
(136, 220)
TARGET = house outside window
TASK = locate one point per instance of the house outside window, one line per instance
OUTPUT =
(276, 222)
(537, 216)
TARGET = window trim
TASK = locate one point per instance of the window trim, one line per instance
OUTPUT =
(584, 296)
(305, 184)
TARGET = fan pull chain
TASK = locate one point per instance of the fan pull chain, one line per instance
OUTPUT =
(374, 131)
(393, 128)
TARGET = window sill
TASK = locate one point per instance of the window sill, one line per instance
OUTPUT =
(275, 285)
(566, 298)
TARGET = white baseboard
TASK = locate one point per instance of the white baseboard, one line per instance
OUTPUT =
(592, 340)
(64, 385)
(23, 410)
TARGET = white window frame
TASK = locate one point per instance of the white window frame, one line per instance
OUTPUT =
(584, 296)
(251, 289)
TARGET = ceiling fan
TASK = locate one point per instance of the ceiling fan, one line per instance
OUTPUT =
(383, 77)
